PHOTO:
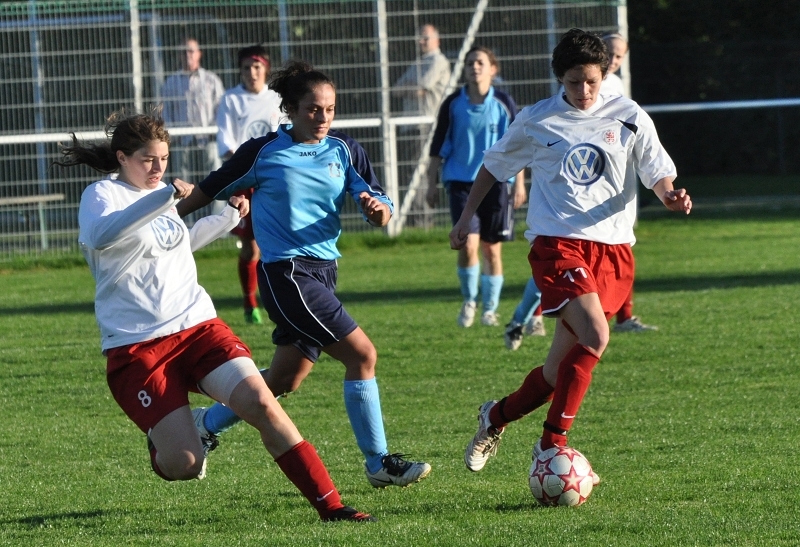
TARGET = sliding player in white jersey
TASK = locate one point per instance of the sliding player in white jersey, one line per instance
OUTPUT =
(160, 331)
(584, 150)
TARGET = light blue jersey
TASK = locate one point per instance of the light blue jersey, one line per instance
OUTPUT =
(464, 130)
(299, 190)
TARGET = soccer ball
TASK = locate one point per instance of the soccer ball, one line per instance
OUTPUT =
(560, 476)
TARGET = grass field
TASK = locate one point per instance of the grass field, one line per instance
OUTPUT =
(692, 428)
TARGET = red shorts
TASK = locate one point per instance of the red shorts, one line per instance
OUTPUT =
(566, 268)
(153, 378)
(245, 227)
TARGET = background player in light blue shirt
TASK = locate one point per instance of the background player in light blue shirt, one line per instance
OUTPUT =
(471, 120)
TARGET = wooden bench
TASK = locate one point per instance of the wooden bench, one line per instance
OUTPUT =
(39, 201)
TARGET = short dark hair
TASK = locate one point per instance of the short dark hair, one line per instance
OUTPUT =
(578, 47)
(253, 51)
(489, 53)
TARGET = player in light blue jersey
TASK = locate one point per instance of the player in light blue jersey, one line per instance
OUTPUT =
(471, 120)
(300, 176)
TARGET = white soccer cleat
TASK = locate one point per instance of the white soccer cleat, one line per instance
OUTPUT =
(485, 442)
(490, 319)
(467, 315)
(397, 471)
(537, 449)
(513, 335)
(209, 440)
(634, 324)
(535, 327)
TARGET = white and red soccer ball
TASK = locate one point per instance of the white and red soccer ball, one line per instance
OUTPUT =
(561, 476)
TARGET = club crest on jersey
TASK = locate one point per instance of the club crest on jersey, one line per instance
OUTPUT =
(168, 231)
(610, 137)
(584, 164)
(335, 170)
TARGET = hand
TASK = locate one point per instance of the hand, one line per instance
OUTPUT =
(677, 200)
(432, 195)
(459, 234)
(241, 203)
(182, 189)
(376, 211)
(520, 195)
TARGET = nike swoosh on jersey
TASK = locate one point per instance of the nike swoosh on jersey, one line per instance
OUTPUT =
(549, 144)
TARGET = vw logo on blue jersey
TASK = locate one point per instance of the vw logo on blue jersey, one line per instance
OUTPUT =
(584, 163)
(168, 231)
(335, 170)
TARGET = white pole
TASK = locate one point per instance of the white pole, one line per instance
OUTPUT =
(622, 23)
(136, 57)
(387, 129)
(551, 42)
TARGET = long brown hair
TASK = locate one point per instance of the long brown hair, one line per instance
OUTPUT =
(126, 132)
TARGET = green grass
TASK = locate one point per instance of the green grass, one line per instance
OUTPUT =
(692, 428)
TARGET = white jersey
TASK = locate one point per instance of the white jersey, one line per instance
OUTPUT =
(583, 166)
(612, 85)
(242, 116)
(140, 254)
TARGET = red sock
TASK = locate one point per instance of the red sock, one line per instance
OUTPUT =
(626, 311)
(538, 310)
(248, 277)
(301, 464)
(574, 377)
(534, 392)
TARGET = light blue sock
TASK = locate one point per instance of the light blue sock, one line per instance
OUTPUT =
(491, 285)
(468, 279)
(363, 404)
(219, 419)
(531, 298)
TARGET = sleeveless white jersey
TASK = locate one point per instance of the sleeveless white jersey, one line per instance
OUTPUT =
(242, 116)
(583, 166)
(140, 254)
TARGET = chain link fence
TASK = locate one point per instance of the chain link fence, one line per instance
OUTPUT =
(67, 65)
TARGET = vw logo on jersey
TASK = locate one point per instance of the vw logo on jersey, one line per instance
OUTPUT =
(335, 170)
(258, 128)
(168, 231)
(584, 164)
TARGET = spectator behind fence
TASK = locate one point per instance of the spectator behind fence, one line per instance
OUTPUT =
(247, 111)
(191, 97)
(421, 88)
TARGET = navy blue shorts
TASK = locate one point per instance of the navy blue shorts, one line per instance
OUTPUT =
(494, 219)
(298, 296)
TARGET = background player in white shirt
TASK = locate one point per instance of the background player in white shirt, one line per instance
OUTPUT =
(247, 111)
(612, 85)
(584, 150)
(159, 329)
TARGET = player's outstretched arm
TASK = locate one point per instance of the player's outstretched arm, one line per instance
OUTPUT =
(674, 200)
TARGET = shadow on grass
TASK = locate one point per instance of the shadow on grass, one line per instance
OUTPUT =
(451, 294)
(37, 521)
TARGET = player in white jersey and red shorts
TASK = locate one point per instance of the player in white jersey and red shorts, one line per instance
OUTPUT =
(584, 150)
(159, 329)
(248, 111)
